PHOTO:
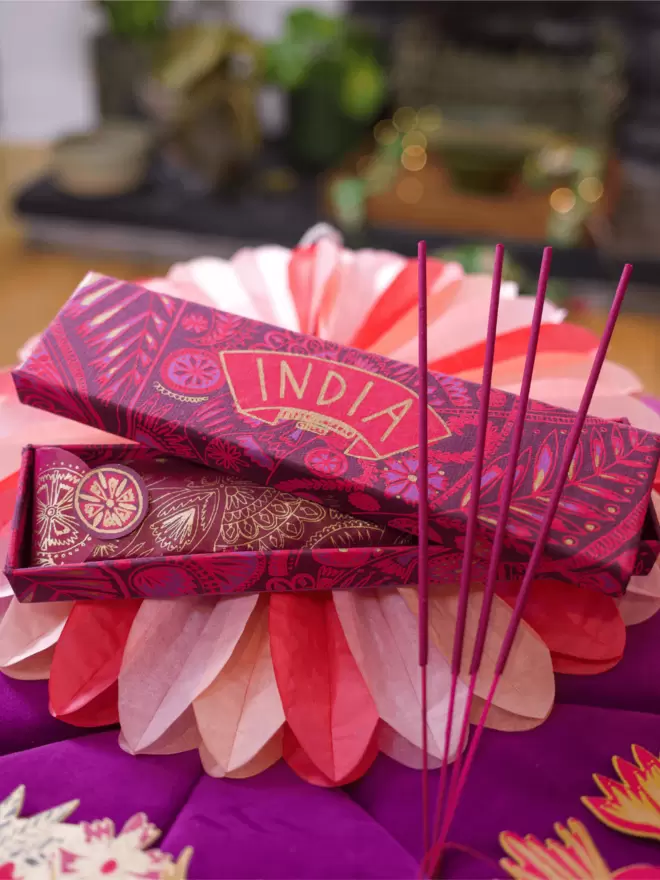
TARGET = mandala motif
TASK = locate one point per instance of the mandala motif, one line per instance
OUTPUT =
(111, 501)
(192, 370)
(59, 536)
(401, 479)
(326, 462)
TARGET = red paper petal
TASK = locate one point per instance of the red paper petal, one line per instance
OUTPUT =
(395, 302)
(300, 273)
(325, 699)
(553, 337)
(99, 712)
(83, 678)
(574, 623)
(573, 666)
(8, 488)
(301, 764)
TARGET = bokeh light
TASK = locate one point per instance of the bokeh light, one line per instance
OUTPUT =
(414, 138)
(410, 190)
(405, 119)
(562, 200)
(413, 158)
(385, 133)
(591, 189)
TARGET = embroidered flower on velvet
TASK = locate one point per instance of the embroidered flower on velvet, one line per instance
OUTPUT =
(401, 479)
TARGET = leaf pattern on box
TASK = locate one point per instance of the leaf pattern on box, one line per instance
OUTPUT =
(123, 334)
(125, 340)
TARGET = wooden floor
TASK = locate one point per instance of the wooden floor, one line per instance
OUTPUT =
(33, 285)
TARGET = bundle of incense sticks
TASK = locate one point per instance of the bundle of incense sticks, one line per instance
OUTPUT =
(451, 786)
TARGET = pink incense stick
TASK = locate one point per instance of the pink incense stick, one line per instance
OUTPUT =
(535, 558)
(504, 504)
(471, 526)
(423, 523)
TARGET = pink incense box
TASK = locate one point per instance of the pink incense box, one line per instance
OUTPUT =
(128, 521)
(332, 425)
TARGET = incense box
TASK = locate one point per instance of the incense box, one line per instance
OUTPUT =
(339, 426)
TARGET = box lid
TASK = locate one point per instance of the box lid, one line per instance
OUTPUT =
(338, 425)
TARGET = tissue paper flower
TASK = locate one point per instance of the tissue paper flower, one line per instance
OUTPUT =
(326, 681)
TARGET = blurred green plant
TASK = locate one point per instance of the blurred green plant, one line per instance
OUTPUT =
(313, 42)
(135, 19)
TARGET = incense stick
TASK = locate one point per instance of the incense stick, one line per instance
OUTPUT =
(535, 558)
(504, 504)
(423, 522)
(471, 527)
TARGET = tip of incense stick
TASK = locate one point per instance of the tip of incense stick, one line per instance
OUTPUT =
(421, 248)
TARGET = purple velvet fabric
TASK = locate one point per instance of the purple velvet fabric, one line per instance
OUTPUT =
(276, 826)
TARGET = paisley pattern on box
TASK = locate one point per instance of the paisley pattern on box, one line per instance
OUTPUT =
(129, 339)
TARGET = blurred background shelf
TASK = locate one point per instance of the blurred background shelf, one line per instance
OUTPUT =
(163, 222)
(171, 129)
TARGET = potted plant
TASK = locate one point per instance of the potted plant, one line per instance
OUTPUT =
(125, 52)
(329, 67)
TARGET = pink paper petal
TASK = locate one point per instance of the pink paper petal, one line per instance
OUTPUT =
(175, 649)
(382, 635)
(648, 585)
(363, 277)
(269, 755)
(21, 425)
(263, 274)
(33, 668)
(402, 750)
(570, 379)
(393, 320)
(527, 685)
(28, 629)
(182, 736)
(635, 608)
(463, 325)
(241, 711)
(617, 407)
